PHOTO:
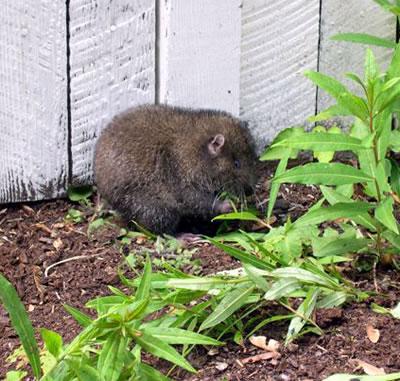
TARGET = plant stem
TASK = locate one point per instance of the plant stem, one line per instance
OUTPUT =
(378, 191)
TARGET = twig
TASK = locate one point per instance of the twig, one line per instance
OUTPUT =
(46, 271)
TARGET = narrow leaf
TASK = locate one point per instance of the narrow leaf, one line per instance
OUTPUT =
(231, 302)
(21, 323)
(333, 212)
(384, 214)
(363, 38)
(180, 336)
(323, 173)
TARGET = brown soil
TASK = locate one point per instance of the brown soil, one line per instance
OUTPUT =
(36, 236)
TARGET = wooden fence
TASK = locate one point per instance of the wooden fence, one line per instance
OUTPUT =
(66, 67)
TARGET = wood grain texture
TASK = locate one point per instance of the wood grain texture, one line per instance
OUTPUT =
(112, 61)
(33, 100)
(337, 57)
(199, 53)
(279, 42)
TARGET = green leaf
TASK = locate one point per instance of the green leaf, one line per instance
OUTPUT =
(323, 141)
(83, 372)
(160, 349)
(79, 193)
(111, 359)
(83, 319)
(282, 288)
(333, 299)
(323, 173)
(148, 373)
(143, 291)
(273, 194)
(393, 238)
(21, 323)
(243, 216)
(342, 246)
(196, 283)
(329, 113)
(384, 214)
(242, 256)
(15, 375)
(305, 309)
(333, 212)
(231, 302)
(329, 84)
(393, 70)
(357, 377)
(371, 67)
(53, 341)
(304, 276)
(355, 105)
(180, 336)
(395, 177)
(363, 38)
(357, 79)
(253, 275)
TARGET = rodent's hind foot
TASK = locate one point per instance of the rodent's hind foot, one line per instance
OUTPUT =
(189, 239)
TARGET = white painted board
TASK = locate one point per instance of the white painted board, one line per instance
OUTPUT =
(112, 60)
(199, 53)
(33, 100)
(279, 42)
(337, 57)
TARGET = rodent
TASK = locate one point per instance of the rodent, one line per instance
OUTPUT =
(159, 165)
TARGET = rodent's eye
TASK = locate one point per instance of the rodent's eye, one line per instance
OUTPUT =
(237, 163)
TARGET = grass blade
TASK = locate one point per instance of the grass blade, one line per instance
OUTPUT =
(231, 302)
(21, 323)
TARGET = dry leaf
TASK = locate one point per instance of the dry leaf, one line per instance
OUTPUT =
(43, 228)
(261, 342)
(373, 333)
(221, 366)
(369, 369)
(260, 357)
(58, 244)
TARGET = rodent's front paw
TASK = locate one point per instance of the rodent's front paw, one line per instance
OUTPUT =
(223, 207)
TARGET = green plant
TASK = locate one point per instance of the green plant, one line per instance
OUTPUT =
(392, 6)
(110, 346)
(371, 139)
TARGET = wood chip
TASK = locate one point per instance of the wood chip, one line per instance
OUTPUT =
(373, 333)
(28, 210)
(43, 228)
(261, 357)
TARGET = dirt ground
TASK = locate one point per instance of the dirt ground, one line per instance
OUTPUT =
(35, 236)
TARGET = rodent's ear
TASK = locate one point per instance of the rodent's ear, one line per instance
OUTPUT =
(215, 145)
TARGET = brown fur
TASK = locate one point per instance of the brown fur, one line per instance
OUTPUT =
(153, 164)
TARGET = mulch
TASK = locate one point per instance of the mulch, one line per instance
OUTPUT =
(35, 236)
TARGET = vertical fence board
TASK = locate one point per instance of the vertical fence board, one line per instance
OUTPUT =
(112, 58)
(337, 57)
(33, 100)
(279, 42)
(199, 53)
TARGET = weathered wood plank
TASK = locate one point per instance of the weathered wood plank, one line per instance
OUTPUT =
(199, 53)
(112, 61)
(336, 57)
(33, 100)
(279, 42)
